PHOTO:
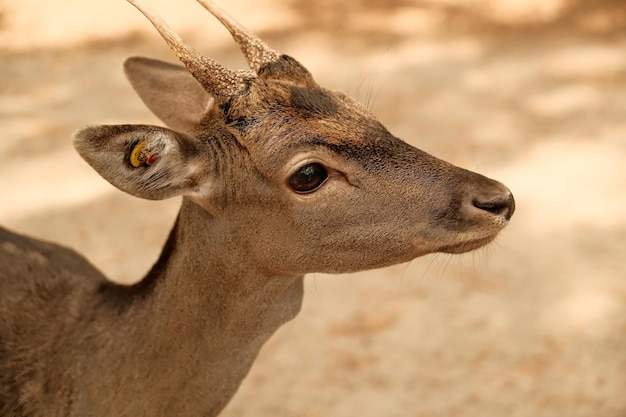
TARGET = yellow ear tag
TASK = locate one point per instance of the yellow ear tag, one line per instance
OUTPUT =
(140, 156)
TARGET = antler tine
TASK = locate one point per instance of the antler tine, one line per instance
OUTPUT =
(216, 79)
(256, 51)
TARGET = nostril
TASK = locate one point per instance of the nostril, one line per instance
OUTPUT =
(492, 207)
(499, 206)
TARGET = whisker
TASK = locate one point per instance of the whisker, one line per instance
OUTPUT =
(370, 88)
(317, 292)
(406, 267)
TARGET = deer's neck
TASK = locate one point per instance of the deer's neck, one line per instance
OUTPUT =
(200, 317)
(205, 268)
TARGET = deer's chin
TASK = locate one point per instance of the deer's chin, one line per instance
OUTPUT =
(467, 246)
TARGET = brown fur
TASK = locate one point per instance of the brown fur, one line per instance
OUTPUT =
(179, 342)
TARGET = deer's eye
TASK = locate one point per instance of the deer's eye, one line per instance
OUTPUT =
(308, 178)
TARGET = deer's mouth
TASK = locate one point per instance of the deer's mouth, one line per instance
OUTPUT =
(468, 245)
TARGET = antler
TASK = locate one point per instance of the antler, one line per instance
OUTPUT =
(217, 80)
(256, 51)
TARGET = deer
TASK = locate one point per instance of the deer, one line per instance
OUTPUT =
(279, 177)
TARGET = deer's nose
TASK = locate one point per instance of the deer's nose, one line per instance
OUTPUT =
(500, 205)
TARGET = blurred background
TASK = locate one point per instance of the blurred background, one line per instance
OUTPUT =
(532, 93)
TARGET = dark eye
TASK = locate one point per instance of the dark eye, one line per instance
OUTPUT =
(308, 178)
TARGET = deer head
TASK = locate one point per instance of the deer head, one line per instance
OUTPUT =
(304, 178)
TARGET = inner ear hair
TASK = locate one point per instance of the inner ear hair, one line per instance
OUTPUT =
(149, 162)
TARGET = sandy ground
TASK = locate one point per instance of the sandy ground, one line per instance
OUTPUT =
(531, 93)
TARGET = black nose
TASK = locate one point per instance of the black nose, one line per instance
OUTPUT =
(502, 205)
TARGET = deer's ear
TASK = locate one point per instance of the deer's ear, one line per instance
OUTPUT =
(145, 161)
(169, 91)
